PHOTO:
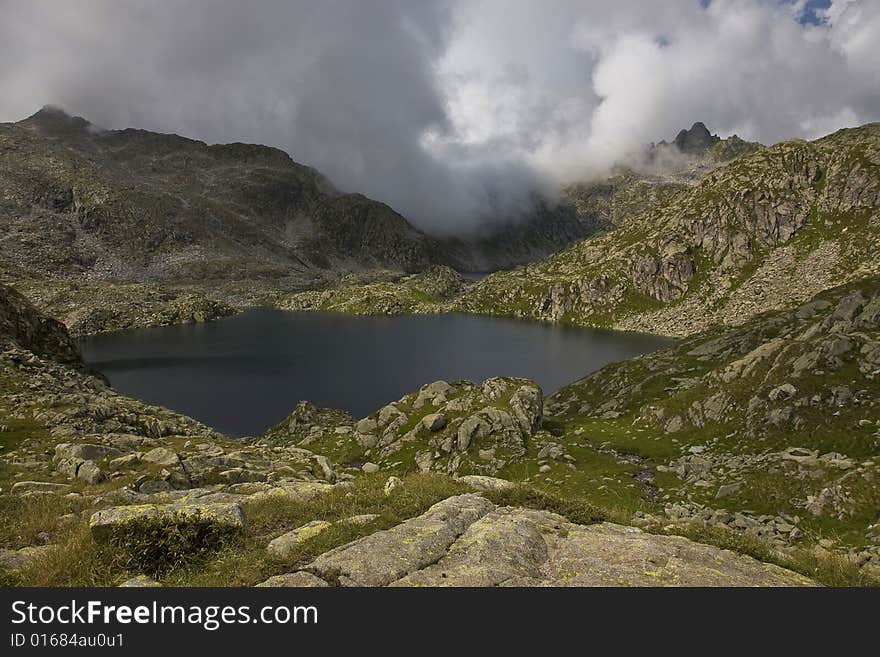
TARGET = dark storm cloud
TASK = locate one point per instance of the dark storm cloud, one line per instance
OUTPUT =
(452, 111)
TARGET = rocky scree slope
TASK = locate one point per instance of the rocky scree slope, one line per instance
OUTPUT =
(772, 427)
(136, 205)
(767, 231)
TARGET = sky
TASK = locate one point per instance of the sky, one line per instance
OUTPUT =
(452, 111)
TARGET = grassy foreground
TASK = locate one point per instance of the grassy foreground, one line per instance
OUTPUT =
(79, 561)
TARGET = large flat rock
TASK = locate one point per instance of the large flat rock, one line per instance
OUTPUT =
(386, 556)
(468, 541)
(222, 515)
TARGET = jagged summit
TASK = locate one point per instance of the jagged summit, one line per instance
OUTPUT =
(697, 140)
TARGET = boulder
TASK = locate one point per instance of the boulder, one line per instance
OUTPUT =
(325, 468)
(161, 456)
(124, 461)
(472, 428)
(434, 421)
(381, 558)
(224, 516)
(728, 489)
(84, 451)
(13, 560)
(242, 476)
(282, 546)
(392, 484)
(20, 487)
(367, 425)
(482, 483)
(297, 491)
(90, 473)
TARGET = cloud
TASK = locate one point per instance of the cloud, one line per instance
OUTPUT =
(451, 111)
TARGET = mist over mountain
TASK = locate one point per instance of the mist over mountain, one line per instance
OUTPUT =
(454, 113)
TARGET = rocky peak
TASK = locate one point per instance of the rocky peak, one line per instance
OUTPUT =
(51, 121)
(697, 140)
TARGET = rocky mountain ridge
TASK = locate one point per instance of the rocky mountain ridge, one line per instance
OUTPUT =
(767, 231)
(131, 205)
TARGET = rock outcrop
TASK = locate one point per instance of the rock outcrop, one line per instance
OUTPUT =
(22, 326)
(469, 541)
(452, 428)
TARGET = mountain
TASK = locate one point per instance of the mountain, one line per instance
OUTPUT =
(77, 202)
(768, 230)
(588, 208)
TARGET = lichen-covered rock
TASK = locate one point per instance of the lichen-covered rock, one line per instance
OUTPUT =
(90, 473)
(85, 451)
(468, 541)
(12, 560)
(298, 579)
(524, 547)
(281, 546)
(161, 456)
(392, 485)
(483, 483)
(297, 491)
(228, 516)
(21, 487)
(381, 558)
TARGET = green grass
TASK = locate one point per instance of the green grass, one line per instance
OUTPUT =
(78, 561)
(577, 510)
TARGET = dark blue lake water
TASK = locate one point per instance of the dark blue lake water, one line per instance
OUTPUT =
(242, 374)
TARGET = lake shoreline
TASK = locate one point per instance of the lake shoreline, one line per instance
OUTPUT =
(272, 348)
